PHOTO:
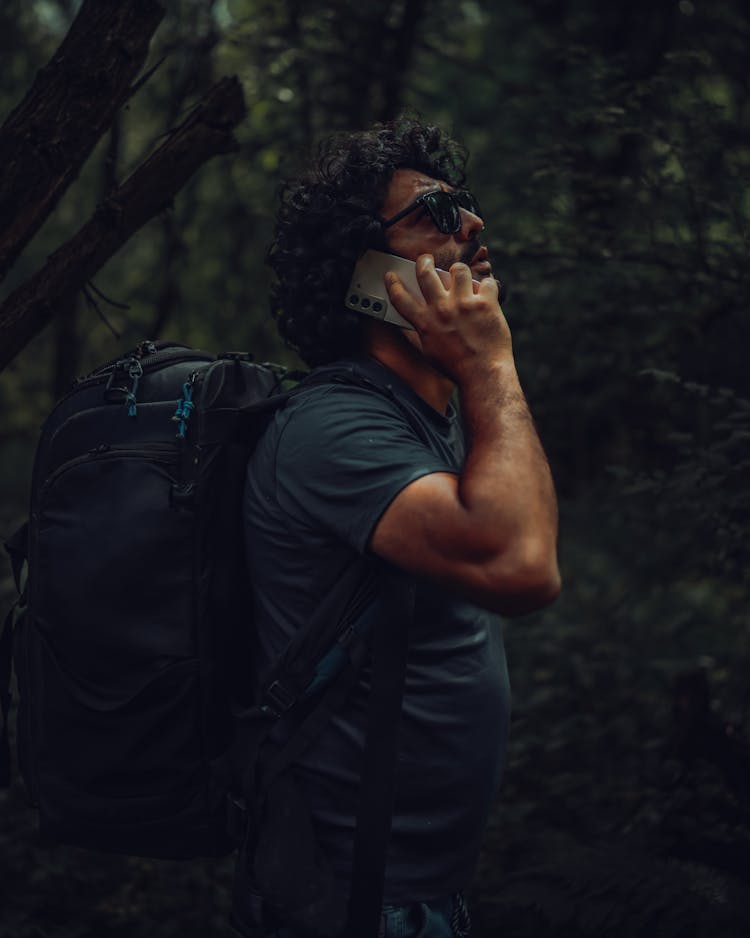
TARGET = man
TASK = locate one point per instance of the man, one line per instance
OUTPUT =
(383, 467)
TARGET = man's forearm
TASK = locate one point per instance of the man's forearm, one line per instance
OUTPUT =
(506, 485)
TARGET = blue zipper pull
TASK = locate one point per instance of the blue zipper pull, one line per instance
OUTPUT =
(185, 406)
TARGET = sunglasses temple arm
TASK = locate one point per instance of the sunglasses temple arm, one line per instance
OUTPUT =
(386, 223)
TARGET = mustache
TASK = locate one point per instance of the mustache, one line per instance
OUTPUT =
(468, 252)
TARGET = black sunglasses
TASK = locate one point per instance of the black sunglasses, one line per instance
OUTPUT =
(443, 208)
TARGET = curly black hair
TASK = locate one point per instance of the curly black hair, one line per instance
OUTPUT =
(328, 217)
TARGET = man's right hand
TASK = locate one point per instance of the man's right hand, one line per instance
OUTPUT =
(461, 332)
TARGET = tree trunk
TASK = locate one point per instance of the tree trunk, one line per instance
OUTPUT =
(400, 60)
(47, 138)
(151, 188)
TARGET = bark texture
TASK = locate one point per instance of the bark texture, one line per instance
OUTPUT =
(47, 138)
(205, 133)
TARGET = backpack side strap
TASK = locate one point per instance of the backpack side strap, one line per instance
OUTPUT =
(6, 652)
(17, 547)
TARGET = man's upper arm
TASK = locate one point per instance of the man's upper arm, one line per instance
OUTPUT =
(343, 457)
(427, 531)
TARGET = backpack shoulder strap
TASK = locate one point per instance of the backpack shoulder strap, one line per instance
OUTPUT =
(377, 786)
(388, 640)
(291, 680)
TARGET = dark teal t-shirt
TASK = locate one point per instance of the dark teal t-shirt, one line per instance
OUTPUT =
(320, 479)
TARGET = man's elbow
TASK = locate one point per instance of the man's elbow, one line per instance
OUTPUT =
(524, 583)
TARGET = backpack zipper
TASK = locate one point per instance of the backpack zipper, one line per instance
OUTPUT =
(172, 356)
(159, 452)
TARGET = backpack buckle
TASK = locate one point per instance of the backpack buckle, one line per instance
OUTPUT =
(281, 699)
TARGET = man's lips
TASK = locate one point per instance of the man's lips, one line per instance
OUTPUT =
(480, 265)
(480, 262)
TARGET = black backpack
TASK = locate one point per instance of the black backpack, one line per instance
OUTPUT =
(137, 731)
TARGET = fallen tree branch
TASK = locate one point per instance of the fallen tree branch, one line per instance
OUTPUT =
(47, 138)
(205, 133)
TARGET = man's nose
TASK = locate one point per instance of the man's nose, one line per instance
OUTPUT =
(471, 225)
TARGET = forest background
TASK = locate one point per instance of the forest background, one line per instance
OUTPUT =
(610, 150)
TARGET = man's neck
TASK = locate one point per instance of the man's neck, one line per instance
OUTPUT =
(390, 348)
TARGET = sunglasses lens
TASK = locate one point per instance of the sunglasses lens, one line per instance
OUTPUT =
(466, 200)
(443, 210)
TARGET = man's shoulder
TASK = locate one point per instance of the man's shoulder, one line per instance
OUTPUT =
(331, 405)
(353, 402)
(363, 373)
(345, 384)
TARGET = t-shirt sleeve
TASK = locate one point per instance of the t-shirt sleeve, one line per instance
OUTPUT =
(343, 456)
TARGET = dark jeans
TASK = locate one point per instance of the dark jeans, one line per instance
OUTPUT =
(439, 918)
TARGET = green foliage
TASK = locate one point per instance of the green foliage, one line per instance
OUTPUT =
(707, 432)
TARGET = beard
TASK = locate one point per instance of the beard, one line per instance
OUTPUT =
(445, 258)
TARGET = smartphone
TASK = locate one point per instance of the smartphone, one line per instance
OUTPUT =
(367, 293)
